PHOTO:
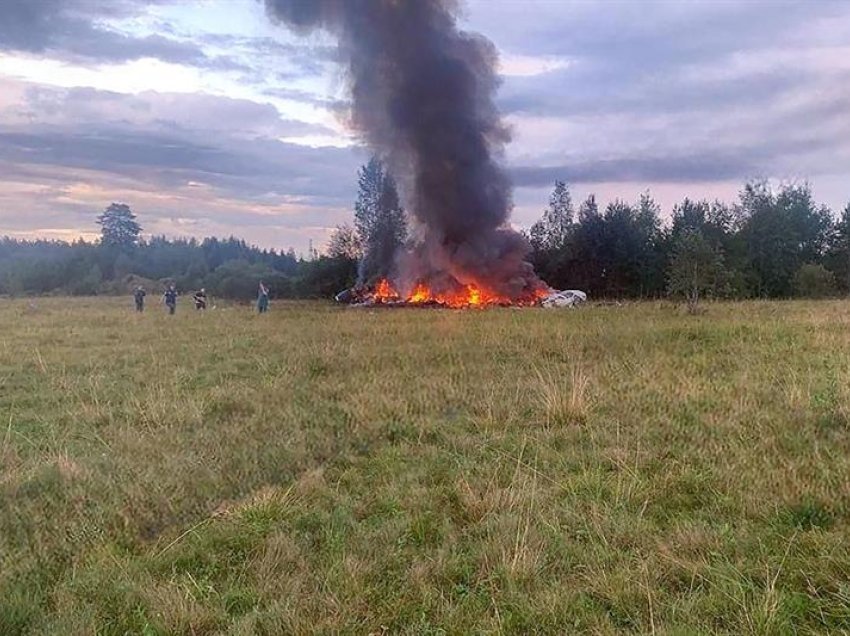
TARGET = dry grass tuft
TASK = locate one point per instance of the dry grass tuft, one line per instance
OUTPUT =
(564, 401)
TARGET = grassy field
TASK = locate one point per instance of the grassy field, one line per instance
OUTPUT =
(321, 470)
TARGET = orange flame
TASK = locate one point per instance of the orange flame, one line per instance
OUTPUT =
(466, 296)
(420, 294)
(470, 295)
(384, 292)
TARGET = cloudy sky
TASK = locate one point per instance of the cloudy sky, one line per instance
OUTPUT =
(209, 120)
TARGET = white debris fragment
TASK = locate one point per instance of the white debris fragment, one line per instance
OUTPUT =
(565, 298)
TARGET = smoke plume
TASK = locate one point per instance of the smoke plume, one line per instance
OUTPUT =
(422, 94)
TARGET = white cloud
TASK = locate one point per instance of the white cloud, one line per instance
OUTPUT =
(128, 77)
(514, 65)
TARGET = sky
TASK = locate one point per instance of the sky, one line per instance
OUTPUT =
(208, 119)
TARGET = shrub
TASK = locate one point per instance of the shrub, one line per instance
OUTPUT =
(814, 281)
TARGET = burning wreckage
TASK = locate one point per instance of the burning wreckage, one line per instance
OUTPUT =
(384, 295)
(422, 98)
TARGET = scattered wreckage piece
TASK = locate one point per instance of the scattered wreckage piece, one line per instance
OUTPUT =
(565, 298)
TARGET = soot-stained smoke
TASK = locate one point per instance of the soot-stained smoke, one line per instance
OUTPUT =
(422, 98)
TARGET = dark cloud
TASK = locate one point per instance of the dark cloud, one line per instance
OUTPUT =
(675, 92)
(75, 30)
(199, 113)
(684, 169)
(709, 164)
(636, 36)
(172, 139)
(575, 93)
(760, 124)
(267, 191)
(624, 57)
(265, 167)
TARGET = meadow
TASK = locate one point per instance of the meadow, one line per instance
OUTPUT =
(521, 471)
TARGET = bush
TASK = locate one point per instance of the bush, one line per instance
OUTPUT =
(814, 281)
(87, 285)
(326, 276)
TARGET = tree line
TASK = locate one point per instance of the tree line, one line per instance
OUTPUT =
(771, 243)
(227, 268)
(122, 259)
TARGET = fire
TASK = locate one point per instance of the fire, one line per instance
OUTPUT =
(384, 292)
(470, 295)
(420, 294)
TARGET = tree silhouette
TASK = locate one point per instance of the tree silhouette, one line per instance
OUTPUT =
(118, 227)
(552, 232)
(696, 269)
(380, 221)
(344, 243)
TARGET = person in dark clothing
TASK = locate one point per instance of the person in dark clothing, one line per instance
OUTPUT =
(200, 299)
(263, 299)
(170, 298)
(139, 297)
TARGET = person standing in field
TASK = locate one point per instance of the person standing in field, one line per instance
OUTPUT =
(263, 299)
(200, 299)
(170, 298)
(139, 297)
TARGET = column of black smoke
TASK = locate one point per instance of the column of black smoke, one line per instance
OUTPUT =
(422, 94)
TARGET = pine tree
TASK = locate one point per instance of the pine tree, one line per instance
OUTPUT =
(838, 256)
(650, 261)
(370, 182)
(118, 226)
(380, 221)
(552, 232)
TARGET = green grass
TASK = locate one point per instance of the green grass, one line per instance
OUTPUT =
(321, 470)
